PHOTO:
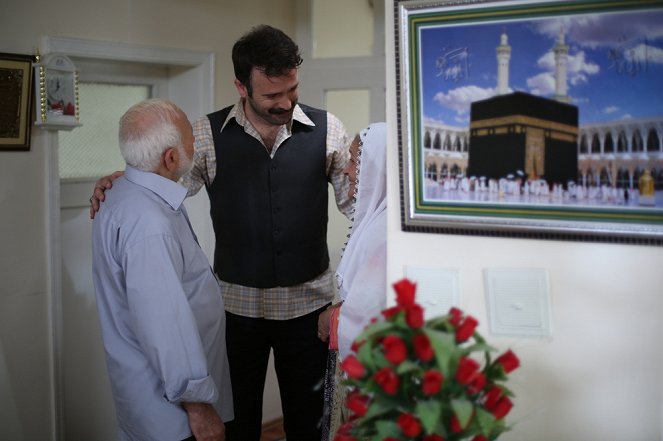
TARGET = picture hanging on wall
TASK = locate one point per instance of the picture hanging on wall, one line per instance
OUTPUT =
(56, 82)
(539, 119)
(15, 101)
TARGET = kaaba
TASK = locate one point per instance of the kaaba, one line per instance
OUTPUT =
(523, 132)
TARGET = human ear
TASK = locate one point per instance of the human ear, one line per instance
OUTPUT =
(170, 158)
(241, 89)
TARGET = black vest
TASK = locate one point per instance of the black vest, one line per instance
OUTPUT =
(269, 215)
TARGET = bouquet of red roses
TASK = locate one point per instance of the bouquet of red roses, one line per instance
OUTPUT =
(425, 381)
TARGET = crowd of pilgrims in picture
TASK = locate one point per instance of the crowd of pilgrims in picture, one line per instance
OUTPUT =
(518, 187)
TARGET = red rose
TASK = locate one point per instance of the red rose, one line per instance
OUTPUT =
(433, 437)
(432, 382)
(405, 293)
(455, 425)
(467, 371)
(479, 438)
(353, 367)
(456, 315)
(357, 403)
(415, 316)
(409, 425)
(502, 407)
(422, 347)
(394, 349)
(344, 437)
(356, 345)
(477, 384)
(345, 428)
(390, 312)
(509, 361)
(492, 397)
(387, 379)
(466, 328)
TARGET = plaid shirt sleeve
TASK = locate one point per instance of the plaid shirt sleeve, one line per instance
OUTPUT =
(204, 158)
(338, 153)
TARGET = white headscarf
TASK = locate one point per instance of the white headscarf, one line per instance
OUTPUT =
(361, 274)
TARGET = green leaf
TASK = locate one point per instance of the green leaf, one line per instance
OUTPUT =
(479, 338)
(463, 410)
(365, 355)
(440, 323)
(429, 413)
(484, 419)
(445, 348)
(506, 391)
(379, 361)
(407, 366)
(387, 429)
(480, 346)
(373, 329)
(401, 321)
(378, 408)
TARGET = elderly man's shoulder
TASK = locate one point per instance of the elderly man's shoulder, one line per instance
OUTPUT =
(132, 202)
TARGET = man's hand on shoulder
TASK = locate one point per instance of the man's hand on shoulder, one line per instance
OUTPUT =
(100, 187)
(205, 422)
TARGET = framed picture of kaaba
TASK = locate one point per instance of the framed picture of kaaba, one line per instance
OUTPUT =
(15, 101)
(537, 119)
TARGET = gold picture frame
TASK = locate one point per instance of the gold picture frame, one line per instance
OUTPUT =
(56, 83)
(15, 101)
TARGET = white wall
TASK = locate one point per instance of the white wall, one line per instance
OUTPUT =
(25, 359)
(600, 375)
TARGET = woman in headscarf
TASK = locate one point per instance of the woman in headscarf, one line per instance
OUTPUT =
(361, 274)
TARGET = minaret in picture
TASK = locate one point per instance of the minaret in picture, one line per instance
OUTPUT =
(561, 51)
(503, 57)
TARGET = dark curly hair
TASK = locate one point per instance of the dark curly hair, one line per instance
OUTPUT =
(267, 49)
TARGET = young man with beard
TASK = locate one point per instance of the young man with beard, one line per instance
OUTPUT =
(266, 163)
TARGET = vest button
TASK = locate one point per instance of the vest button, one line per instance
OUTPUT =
(276, 210)
(277, 231)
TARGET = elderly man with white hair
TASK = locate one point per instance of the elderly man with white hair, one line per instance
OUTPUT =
(160, 307)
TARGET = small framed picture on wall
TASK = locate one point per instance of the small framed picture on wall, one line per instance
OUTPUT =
(15, 100)
(56, 82)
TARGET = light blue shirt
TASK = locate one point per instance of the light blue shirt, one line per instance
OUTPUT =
(160, 308)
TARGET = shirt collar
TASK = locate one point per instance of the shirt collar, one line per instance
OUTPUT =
(170, 191)
(237, 112)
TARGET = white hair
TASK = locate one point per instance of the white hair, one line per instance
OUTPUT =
(147, 129)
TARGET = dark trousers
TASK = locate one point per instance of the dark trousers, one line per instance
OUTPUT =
(299, 360)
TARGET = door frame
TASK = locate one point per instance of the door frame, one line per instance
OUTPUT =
(323, 74)
(192, 88)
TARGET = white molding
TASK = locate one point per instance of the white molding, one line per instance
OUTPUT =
(118, 51)
(106, 50)
(319, 75)
(48, 141)
(304, 29)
